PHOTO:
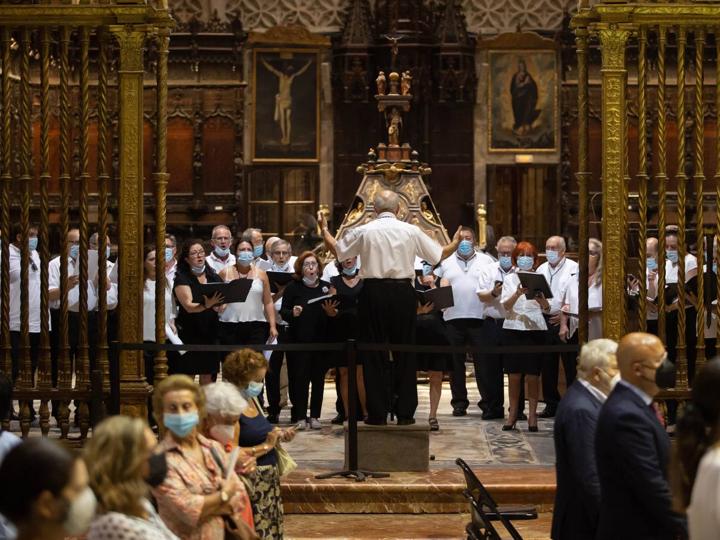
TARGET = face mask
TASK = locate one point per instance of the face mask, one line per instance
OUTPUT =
(222, 252)
(223, 434)
(651, 264)
(258, 250)
(465, 248)
(107, 252)
(671, 255)
(74, 251)
(181, 424)
(350, 271)
(245, 257)
(552, 256)
(664, 375)
(310, 281)
(505, 262)
(427, 269)
(80, 513)
(253, 389)
(283, 268)
(158, 469)
(197, 270)
(525, 263)
(168, 254)
(32, 243)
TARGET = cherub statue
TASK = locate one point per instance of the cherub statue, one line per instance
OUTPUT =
(381, 81)
(405, 83)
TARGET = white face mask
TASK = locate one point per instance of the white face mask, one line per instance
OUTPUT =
(223, 433)
(81, 513)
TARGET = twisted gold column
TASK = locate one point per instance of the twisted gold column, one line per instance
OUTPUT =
(583, 178)
(661, 177)
(6, 181)
(699, 186)
(642, 176)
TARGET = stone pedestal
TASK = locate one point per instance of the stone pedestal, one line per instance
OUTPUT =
(392, 448)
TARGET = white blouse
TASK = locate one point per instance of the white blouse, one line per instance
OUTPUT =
(117, 526)
(252, 309)
(149, 308)
(525, 314)
(704, 510)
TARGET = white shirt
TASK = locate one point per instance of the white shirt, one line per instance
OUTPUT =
(217, 264)
(33, 291)
(170, 273)
(671, 269)
(525, 314)
(149, 308)
(597, 394)
(489, 274)
(252, 309)
(704, 510)
(112, 293)
(462, 275)
(118, 526)
(74, 293)
(278, 303)
(559, 280)
(388, 248)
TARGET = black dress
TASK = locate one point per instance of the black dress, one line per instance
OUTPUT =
(196, 328)
(430, 330)
(344, 325)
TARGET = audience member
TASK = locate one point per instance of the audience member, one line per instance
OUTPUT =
(695, 469)
(170, 258)
(221, 242)
(258, 438)
(632, 448)
(45, 492)
(577, 500)
(198, 496)
(122, 466)
(524, 326)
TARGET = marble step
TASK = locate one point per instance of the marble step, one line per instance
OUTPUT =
(434, 492)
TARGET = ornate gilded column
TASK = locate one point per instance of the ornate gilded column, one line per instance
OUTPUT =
(583, 177)
(699, 199)
(614, 73)
(133, 388)
(642, 176)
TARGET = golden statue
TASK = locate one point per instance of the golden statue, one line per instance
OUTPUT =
(380, 82)
(427, 213)
(405, 83)
(481, 213)
(283, 98)
(394, 128)
(356, 212)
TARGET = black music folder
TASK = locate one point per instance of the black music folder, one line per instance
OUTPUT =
(234, 291)
(441, 297)
(534, 283)
(278, 279)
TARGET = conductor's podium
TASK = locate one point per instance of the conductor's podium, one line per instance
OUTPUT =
(392, 448)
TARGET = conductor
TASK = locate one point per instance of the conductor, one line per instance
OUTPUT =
(387, 303)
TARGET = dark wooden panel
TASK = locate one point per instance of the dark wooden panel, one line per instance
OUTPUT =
(218, 148)
(180, 153)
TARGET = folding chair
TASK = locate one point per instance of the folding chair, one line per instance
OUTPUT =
(484, 510)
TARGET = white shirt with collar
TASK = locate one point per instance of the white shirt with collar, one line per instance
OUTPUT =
(559, 279)
(33, 291)
(388, 248)
(597, 394)
(462, 275)
(289, 269)
(74, 293)
(170, 273)
(526, 314)
(647, 400)
(671, 269)
(489, 274)
(217, 264)
(111, 295)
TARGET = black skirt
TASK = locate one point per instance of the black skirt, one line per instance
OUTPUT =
(430, 330)
(340, 329)
(529, 364)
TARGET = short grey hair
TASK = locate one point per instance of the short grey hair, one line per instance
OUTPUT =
(218, 228)
(247, 234)
(510, 239)
(224, 399)
(595, 353)
(386, 201)
(560, 239)
(280, 242)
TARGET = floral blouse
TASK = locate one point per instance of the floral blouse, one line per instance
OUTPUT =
(180, 497)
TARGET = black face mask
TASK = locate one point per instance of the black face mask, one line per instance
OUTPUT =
(665, 375)
(158, 469)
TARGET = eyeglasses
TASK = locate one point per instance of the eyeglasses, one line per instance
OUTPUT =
(283, 253)
(309, 264)
(196, 253)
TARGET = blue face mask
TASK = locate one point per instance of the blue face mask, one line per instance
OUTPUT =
(427, 269)
(525, 263)
(181, 424)
(672, 255)
(74, 251)
(505, 262)
(253, 389)
(552, 256)
(465, 248)
(168, 254)
(651, 263)
(258, 250)
(32, 243)
(350, 271)
(245, 257)
(107, 252)
(222, 252)
(197, 270)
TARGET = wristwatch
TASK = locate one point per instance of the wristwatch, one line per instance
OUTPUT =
(224, 497)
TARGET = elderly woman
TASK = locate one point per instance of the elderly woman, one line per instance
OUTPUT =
(122, 464)
(198, 497)
(524, 326)
(246, 369)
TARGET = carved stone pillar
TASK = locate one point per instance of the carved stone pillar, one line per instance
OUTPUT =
(133, 387)
(614, 73)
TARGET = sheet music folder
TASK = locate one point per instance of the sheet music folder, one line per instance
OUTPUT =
(441, 297)
(278, 279)
(234, 291)
(534, 283)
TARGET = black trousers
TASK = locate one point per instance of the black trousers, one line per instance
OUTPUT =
(305, 369)
(386, 313)
(491, 368)
(465, 332)
(242, 333)
(272, 377)
(15, 343)
(551, 366)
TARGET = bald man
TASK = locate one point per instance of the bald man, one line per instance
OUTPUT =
(632, 449)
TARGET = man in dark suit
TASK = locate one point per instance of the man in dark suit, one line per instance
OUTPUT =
(577, 500)
(633, 449)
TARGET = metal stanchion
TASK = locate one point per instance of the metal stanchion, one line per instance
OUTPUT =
(360, 475)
